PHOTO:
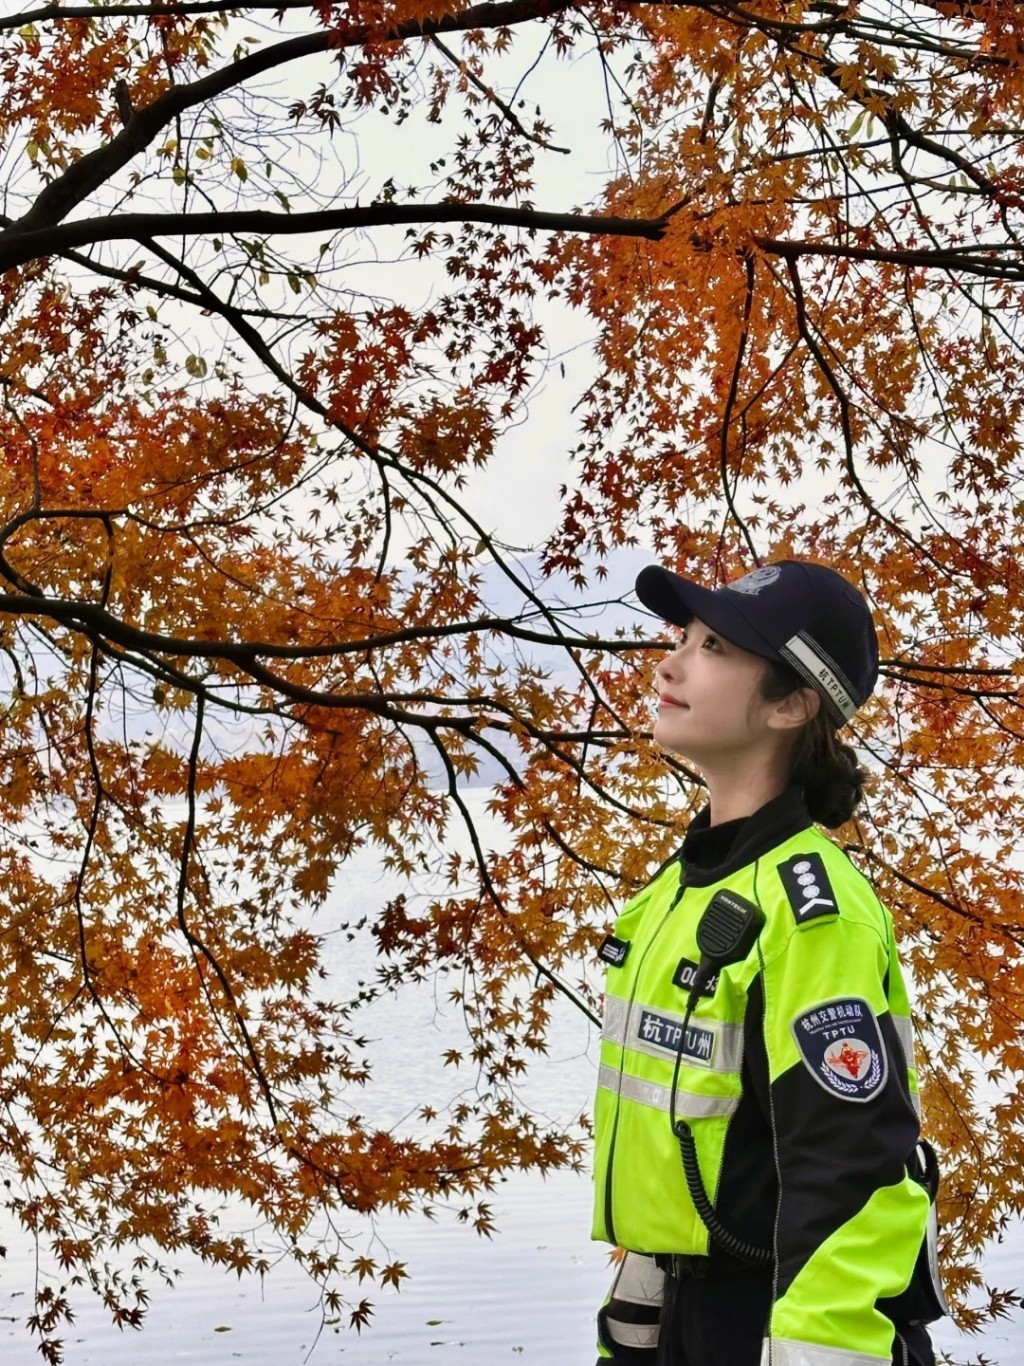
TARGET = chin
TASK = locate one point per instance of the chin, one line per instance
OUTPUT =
(668, 737)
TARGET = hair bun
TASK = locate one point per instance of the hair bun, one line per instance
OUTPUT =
(825, 770)
(832, 780)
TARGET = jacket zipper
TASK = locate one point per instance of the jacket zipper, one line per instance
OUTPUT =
(771, 1124)
(609, 1225)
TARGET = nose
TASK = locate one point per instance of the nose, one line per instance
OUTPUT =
(668, 668)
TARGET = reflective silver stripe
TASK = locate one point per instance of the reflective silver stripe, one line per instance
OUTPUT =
(727, 1053)
(639, 1281)
(932, 1239)
(613, 1027)
(785, 1352)
(905, 1029)
(689, 1105)
(632, 1334)
(812, 661)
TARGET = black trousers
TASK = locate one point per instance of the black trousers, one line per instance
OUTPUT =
(720, 1321)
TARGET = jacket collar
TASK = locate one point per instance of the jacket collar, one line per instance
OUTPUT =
(774, 823)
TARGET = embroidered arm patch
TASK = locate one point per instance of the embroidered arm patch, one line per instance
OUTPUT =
(841, 1046)
(808, 888)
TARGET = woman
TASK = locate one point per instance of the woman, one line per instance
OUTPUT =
(757, 1102)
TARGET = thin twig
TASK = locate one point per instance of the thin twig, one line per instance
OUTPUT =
(494, 98)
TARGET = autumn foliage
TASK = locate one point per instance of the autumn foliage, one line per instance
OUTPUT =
(283, 287)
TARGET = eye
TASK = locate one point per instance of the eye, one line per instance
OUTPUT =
(710, 642)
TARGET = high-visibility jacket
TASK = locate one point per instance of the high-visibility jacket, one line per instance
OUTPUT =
(796, 1075)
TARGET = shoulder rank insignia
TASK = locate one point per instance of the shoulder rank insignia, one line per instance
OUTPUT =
(808, 888)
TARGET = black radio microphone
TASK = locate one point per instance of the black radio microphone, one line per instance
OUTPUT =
(725, 934)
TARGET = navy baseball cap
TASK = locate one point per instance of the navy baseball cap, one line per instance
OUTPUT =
(803, 614)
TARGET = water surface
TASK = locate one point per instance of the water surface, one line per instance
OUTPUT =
(528, 1294)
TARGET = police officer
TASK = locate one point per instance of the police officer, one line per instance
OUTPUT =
(757, 1109)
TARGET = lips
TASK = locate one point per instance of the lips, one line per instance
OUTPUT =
(672, 702)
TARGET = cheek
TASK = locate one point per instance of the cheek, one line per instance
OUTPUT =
(736, 697)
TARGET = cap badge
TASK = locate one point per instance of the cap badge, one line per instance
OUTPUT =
(751, 584)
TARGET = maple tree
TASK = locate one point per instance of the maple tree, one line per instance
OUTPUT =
(280, 284)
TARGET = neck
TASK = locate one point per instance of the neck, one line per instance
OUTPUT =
(735, 792)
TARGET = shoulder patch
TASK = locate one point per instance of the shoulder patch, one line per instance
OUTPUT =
(808, 888)
(614, 950)
(841, 1046)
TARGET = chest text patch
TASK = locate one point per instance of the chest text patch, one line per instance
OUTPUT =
(808, 888)
(841, 1047)
(685, 973)
(698, 1046)
(614, 950)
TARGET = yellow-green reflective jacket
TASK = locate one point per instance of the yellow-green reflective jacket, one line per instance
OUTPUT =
(797, 1078)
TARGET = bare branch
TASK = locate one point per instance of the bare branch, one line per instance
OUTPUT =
(493, 97)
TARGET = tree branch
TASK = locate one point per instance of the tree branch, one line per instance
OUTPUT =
(730, 403)
(492, 97)
(68, 13)
(968, 260)
(94, 169)
(96, 619)
(19, 244)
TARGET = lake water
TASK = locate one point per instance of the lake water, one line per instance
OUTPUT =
(528, 1294)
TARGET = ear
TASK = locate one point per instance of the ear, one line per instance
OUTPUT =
(795, 709)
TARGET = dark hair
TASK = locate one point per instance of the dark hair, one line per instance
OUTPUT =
(826, 770)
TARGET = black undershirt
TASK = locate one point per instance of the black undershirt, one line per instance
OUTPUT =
(711, 853)
(707, 846)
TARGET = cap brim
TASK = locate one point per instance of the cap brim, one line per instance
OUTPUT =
(678, 601)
